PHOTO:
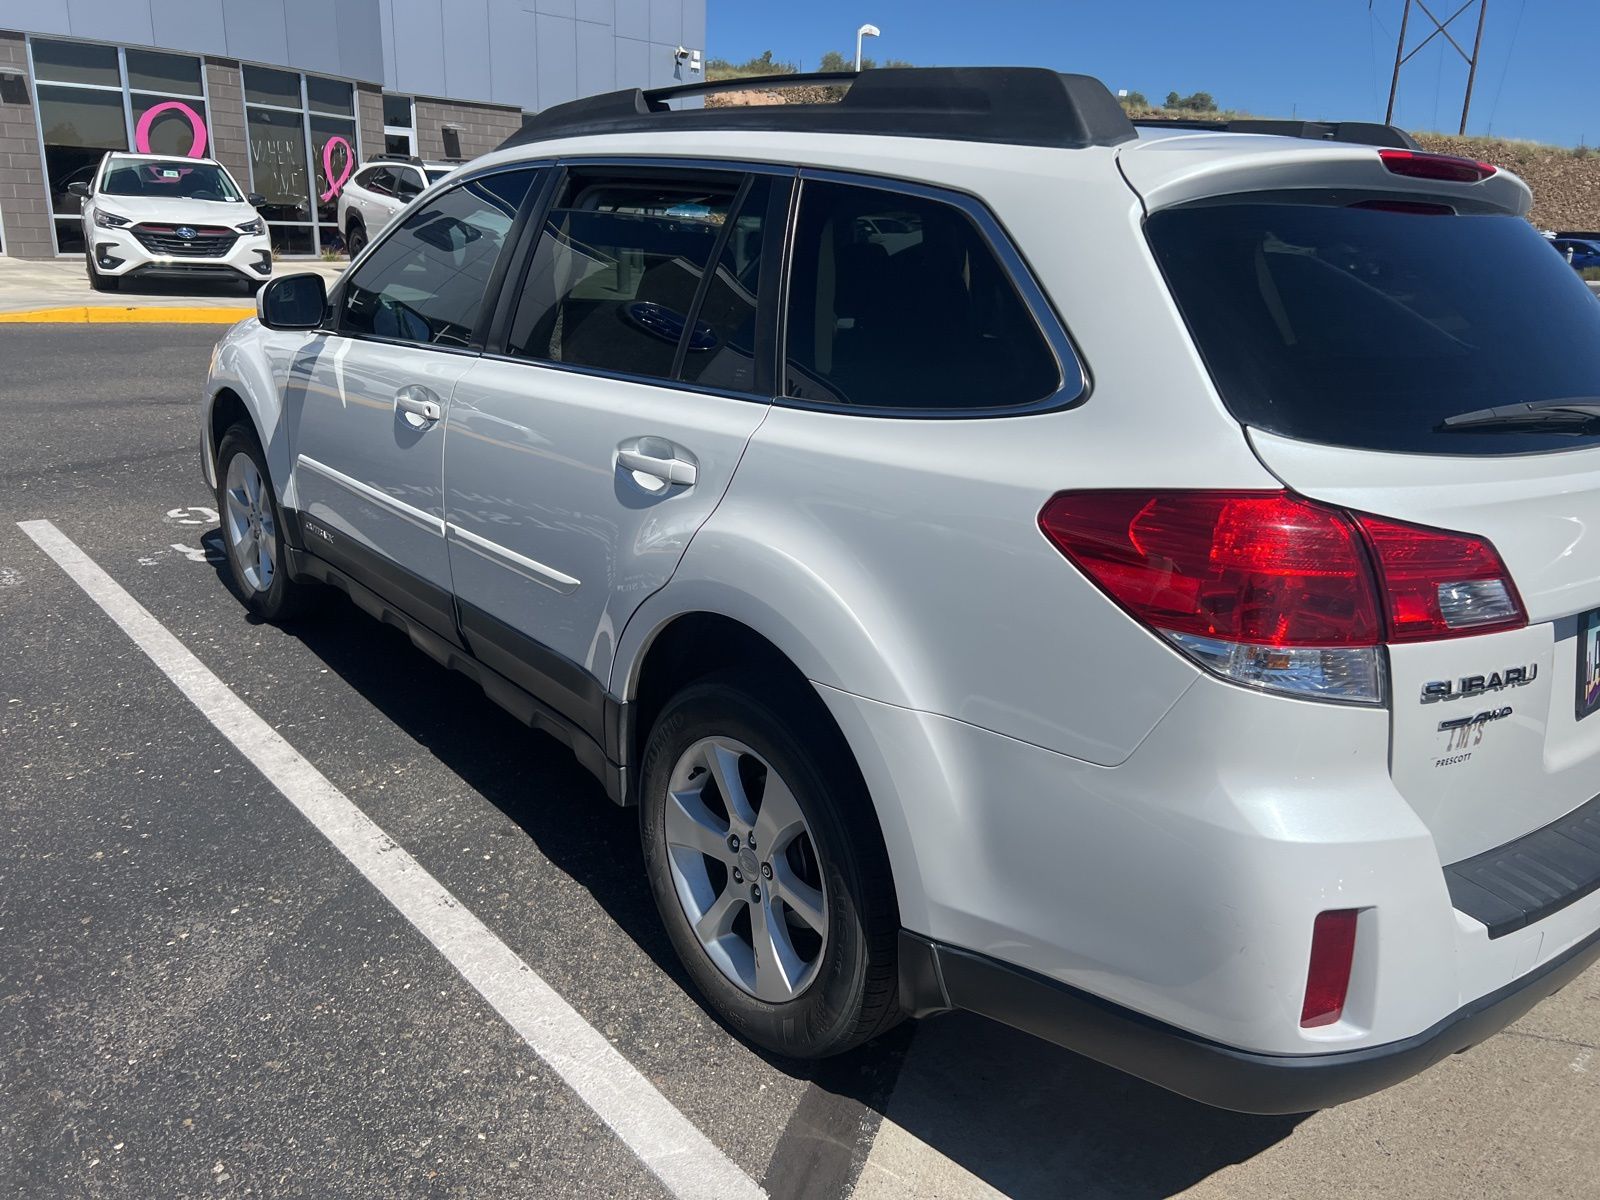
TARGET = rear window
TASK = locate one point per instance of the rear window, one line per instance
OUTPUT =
(1367, 327)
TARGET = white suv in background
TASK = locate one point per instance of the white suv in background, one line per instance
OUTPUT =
(1141, 584)
(147, 215)
(380, 189)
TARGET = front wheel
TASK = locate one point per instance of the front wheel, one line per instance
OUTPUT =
(252, 530)
(99, 282)
(768, 868)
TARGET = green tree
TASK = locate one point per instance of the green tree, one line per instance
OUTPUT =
(1194, 102)
(1134, 100)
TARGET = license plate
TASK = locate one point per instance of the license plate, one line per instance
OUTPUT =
(1588, 697)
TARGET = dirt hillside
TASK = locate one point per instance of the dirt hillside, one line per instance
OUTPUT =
(1565, 183)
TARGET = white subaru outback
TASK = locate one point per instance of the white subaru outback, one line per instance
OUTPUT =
(1152, 598)
(147, 216)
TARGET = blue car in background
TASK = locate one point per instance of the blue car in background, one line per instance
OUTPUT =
(1584, 253)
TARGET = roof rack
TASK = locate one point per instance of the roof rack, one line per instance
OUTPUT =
(1365, 133)
(413, 159)
(1025, 106)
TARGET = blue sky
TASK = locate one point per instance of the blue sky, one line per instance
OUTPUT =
(1539, 76)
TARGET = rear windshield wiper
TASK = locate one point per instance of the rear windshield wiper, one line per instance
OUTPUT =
(1578, 414)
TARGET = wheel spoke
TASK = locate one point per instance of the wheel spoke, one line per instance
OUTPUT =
(692, 825)
(717, 920)
(264, 565)
(252, 486)
(780, 819)
(805, 901)
(724, 766)
(238, 514)
(778, 967)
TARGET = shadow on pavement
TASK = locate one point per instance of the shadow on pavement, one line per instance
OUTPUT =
(1027, 1118)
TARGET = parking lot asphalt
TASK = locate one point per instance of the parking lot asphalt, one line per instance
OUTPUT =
(200, 994)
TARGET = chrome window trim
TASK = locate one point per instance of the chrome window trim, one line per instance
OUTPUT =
(1068, 393)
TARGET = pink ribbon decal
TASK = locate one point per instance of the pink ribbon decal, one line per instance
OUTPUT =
(327, 165)
(141, 133)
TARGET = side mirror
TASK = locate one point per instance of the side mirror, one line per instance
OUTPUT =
(80, 190)
(292, 302)
(255, 199)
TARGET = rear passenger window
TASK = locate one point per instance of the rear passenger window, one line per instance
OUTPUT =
(617, 270)
(425, 282)
(898, 301)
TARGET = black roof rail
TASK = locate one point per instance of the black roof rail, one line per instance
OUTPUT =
(1364, 133)
(413, 159)
(1025, 106)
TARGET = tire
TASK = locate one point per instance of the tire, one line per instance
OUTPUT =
(99, 282)
(826, 992)
(355, 239)
(252, 531)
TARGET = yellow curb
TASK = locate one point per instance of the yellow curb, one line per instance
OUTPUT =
(108, 315)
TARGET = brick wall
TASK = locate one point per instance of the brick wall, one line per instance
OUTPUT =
(24, 207)
(369, 119)
(229, 145)
(482, 127)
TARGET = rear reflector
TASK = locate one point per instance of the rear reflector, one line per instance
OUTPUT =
(1333, 950)
(1446, 167)
(1274, 591)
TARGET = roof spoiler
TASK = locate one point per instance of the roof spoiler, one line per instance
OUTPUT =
(1026, 106)
(1364, 133)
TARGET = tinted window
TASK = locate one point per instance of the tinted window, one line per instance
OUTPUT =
(425, 281)
(407, 182)
(617, 268)
(897, 301)
(1368, 328)
(721, 351)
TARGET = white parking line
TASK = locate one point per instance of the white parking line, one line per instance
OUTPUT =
(665, 1141)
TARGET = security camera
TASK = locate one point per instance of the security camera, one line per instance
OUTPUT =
(681, 54)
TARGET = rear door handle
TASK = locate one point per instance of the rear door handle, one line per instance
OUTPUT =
(658, 458)
(419, 402)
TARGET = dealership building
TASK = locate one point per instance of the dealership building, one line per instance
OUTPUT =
(292, 95)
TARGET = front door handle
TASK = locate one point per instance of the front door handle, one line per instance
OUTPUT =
(659, 459)
(418, 402)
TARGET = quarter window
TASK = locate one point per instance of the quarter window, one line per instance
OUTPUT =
(425, 282)
(898, 302)
(617, 270)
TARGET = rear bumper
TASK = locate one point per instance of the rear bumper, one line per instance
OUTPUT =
(936, 977)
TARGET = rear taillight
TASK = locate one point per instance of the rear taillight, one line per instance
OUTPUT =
(1274, 591)
(1447, 167)
(1333, 950)
(1438, 584)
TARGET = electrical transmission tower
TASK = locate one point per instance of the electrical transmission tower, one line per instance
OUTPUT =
(1402, 57)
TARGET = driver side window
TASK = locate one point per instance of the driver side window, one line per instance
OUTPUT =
(424, 282)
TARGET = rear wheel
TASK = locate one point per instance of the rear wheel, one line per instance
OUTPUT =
(768, 868)
(355, 238)
(252, 530)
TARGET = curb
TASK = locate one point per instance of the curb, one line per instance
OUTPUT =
(145, 315)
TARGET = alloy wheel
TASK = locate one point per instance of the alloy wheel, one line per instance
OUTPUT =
(248, 525)
(745, 869)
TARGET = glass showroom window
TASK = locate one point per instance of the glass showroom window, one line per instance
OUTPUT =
(93, 99)
(399, 125)
(300, 178)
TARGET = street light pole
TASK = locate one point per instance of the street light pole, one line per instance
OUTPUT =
(865, 31)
